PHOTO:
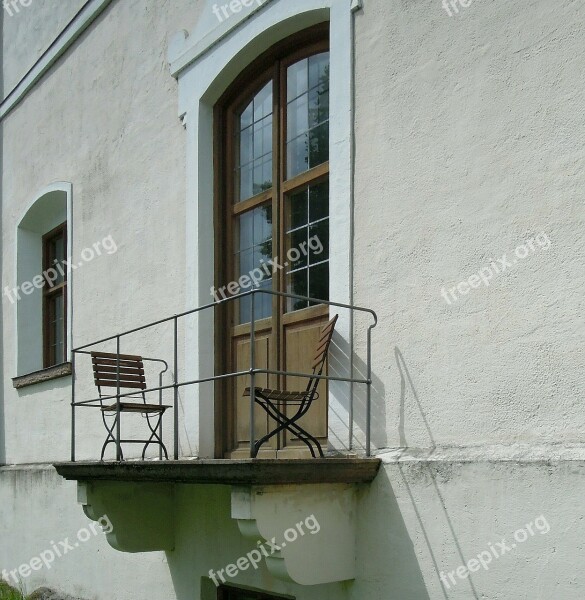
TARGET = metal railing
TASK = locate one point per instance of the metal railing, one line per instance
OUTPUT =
(252, 372)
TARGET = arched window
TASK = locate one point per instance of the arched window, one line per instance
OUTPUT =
(273, 222)
(41, 291)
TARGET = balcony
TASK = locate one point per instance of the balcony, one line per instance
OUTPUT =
(265, 492)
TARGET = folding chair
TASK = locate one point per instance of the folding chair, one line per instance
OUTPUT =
(106, 367)
(276, 402)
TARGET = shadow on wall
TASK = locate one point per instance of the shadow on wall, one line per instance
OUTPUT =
(207, 538)
(406, 385)
(2, 348)
(388, 565)
(338, 366)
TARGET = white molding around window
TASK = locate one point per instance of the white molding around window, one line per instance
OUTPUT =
(50, 207)
(205, 64)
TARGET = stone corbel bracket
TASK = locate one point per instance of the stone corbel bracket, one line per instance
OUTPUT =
(311, 524)
(141, 514)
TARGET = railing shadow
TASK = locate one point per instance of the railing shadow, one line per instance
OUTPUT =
(350, 406)
(3, 348)
(406, 382)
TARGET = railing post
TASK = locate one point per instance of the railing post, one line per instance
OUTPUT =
(73, 406)
(369, 395)
(252, 376)
(176, 388)
(160, 421)
(118, 427)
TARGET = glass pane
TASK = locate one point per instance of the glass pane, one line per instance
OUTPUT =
(298, 210)
(297, 80)
(319, 242)
(318, 107)
(307, 114)
(319, 281)
(319, 70)
(307, 242)
(319, 145)
(319, 201)
(254, 129)
(297, 283)
(298, 117)
(252, 266)
(298, 155)
(59, 329)
(297, 253)
(55, 249)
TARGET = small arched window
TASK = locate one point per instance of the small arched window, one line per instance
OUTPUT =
(41, 291)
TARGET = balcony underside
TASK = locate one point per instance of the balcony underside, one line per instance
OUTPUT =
(227, 472)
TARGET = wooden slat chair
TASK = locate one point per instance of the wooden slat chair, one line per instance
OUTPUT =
(276, 402)
(131, 369)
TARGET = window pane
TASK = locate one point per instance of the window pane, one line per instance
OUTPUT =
(253, 168)
(55, 315)
(297, 80)
(55, 256)
(319, 281)
(307, 244)
(255, 250)
(307, 114)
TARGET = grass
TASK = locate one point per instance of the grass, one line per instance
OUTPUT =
(9, 593)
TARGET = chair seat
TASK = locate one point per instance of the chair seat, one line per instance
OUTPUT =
(137, 407)
(279, 395)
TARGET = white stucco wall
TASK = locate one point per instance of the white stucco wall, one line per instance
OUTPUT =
(29, 31)
(117, 138)
(423, 516)
(468, 142)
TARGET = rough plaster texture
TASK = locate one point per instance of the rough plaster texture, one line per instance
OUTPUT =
(418, 518)
(118, 140)
(29, 31)
(468, 141)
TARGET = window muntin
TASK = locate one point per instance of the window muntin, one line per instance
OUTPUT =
(287, 115)
(253, 171)
(308, 226)
(307, 114)
(54, 298)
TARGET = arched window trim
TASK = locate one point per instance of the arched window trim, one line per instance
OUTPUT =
(67, 189)
(202, 80)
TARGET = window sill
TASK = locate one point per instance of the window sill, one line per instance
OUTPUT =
(56, 372)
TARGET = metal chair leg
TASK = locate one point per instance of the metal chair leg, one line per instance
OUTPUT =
(286, 423)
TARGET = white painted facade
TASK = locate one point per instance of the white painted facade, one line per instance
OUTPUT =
(454, 140)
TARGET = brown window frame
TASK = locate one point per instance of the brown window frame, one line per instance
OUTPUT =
(272, 65)
(50, 293)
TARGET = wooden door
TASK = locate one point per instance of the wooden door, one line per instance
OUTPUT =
(273, 217)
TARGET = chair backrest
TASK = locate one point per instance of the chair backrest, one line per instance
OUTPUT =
(321, 352)
(105, 370)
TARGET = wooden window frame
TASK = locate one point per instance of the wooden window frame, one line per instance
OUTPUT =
(272, 65)
(49, 294)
